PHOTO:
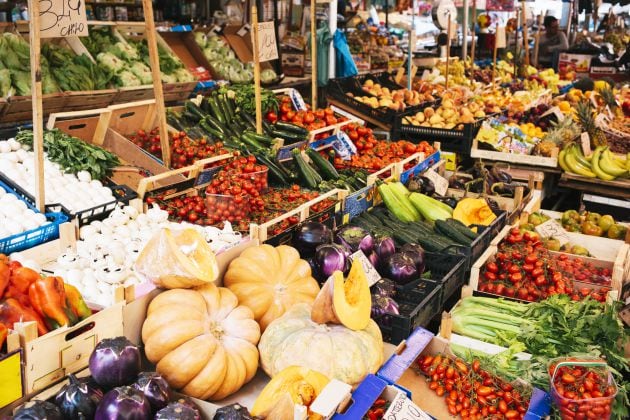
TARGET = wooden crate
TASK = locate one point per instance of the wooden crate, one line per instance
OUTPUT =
(3, 106)
(77, 101)
(517, 158)
(20, 108)
(127, 95)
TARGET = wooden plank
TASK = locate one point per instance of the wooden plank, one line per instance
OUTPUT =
(617, 188)
(38, 113)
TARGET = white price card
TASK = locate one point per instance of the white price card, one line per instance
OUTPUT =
(553, 229)
(370, 272)
(267, 48)
(62, 18)
(402, 408)
(586, 143)
(555, 111)
(439, 182)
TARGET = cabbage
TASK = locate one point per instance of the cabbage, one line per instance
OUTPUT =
(124, 51)
(184, 76)
(201, 39)
(127, 79)
(5, 83)
(168, 78)
(268, 76)
(142, 72)
(20, 48)
(22, 82)
(110, 61)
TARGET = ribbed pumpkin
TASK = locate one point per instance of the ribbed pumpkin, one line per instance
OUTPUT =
(202, 341)
(270, 280)
(333, 350)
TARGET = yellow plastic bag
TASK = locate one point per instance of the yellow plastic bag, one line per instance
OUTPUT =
(177, 259)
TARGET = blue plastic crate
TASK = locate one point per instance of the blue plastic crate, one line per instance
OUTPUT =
(33, 237)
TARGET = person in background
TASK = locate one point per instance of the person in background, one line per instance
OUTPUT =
(551, 42)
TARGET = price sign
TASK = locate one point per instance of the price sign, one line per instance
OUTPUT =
(370, 272)
(440, 183)
(402, 408)
(344, 146)
(10, 378)
(555, 111)
(267, 48)
(552, 229)
(586, 144)
(62, 18)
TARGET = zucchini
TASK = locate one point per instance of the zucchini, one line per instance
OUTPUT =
(216, 110)
(193, 111)
(462, 228)
(292, 128)
(287, 135)
(227, 112)
(306, 173)
(394, 205)
(248, 119)
(445, 229)
(326, 169)
(211, 130)
(259, 138)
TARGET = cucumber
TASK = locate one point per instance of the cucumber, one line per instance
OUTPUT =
(193, 111)
(292, 128)
(326, 169)
(462, 228)
(310, 178)
(216, 110)
(445, 229)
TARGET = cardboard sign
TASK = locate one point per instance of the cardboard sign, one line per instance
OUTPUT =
(62, 18)
(552, 229)
(555, 111)
(11, 378)
(440, 183)
(586, 143)
(500, 38)
(344, 146)
(402, 408)
(370, 272)
(267, 47)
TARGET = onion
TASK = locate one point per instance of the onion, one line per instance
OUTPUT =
(355, 238)
(78, 400)
(124, 403)
(309, 236)
(401, 268)
(416, 253)
(330, 258)
(155, 388)
(115, 362)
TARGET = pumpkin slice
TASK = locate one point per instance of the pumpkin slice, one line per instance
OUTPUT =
(301, 384)
(473, 211)
(347, 302)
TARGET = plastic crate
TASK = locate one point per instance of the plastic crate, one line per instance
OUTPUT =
(416, 307)
(483, 239)
(456, 141)
(122, 195)
(33, 237)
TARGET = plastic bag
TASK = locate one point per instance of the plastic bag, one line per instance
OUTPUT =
(176, 259)
(345, 63)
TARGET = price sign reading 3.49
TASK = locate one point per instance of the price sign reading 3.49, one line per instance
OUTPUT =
(62, 18)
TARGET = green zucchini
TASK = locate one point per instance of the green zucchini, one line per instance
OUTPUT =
(462, 228)
(306, 173)
(326, 169)
(445, 229)
(216, 110)
(292, 128)
(193, 111)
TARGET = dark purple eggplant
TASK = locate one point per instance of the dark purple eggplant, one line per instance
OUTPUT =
(115, 362)
(309, 236)
(384, 247)
(177, 411)
(382, 305)
(477, 185)
(422, 185)
(384, 287)
(416, 253)
(355, 238)
(330, 258)
(124, 403)
(77, 400)
(232, 412)
(38, 410)
(449, 201)
(188, 402)
(401, 268)
(155, 388)
(500, 176)
(494, 206)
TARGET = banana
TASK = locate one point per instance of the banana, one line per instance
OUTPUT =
(562, 162)
(579, 156)
(609, 165)
(601, 174)
(576, 167)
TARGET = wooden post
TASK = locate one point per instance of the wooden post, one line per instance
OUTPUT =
(537, 40)
(494, 55)
(157, 81)
(313, 56)
(448, 49)
(525, 37)
(473, 44)
(36, 98)
(257, 70)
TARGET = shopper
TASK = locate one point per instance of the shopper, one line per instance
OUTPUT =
(551, 42)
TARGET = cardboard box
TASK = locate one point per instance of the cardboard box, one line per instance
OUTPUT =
(362, 62)
(293, 62)
(184, 46)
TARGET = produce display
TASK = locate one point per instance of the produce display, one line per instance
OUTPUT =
(16, 217)
(602, 163)
(396, 99)
(588, 223)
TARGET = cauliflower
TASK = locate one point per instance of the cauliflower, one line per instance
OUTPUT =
(110, 61)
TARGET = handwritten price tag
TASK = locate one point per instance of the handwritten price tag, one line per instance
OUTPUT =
(370, 272)
(267, 48)
(62, 18)
(440, 183)
(402, 408)
(552, 229)
(586, 144)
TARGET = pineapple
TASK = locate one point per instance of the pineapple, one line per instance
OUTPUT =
(586, 118)
(609, 98)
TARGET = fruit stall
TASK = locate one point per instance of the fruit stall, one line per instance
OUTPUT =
(183, 236)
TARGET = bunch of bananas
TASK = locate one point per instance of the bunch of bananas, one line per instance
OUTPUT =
(602, 163)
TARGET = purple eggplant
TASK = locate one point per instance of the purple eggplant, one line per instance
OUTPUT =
(77, 400)
(155, 388)
(384, 247)
(177, 411)
(232, 412)
(124, 403)
(309, 236)
(115, 362)
(401, 268)
(330, 258)
(385, 288)
(355, 238)
(38, 410)
(416, 253)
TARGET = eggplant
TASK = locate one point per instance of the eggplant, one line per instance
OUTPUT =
(384, 287)
(401, 268)
(123, 403)
(177, 411)
(155, 388)
(330, 258)
(115, 362)
(38, 410)
(384, 248)
(77, 400)
(232, 412)
(500, 176)
(355, 238)
(422, 185)
(477, 185)
(383, 306)
(416, 253)
(457, 182)
(309, 236)
(494, 206)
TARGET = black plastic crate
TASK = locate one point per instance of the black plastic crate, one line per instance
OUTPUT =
(416, 310)
(122, 196)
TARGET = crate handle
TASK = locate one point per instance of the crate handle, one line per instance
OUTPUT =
(77, 126)
(84, 328)
(127, 114)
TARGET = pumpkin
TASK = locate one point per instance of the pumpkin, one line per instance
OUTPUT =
(301, 384)
(473, 211)
(333, 350)
(270, 280)
(202, 342)
(177, 259)
(346, 302)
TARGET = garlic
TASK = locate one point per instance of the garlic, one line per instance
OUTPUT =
(130, 211)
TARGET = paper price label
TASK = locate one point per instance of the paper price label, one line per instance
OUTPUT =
(217, 29)
(555, 111)
(267, 48)
(344, 146)
(552, 229)
(61, 18)
(402, 408)
(440, 183)
(370, 272)
(243, 30)
(586, 143)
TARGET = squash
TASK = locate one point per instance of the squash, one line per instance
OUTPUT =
(202, 342)
(301, 384)
(270, 280)
(346, 302)
(177, 259)
(333, 350)
(473, 211)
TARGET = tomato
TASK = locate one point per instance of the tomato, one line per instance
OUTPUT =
(440, 391)
(516, 278)
(484, 391)
(490, 276)
(567, 378)
(475, 366)
(502, 406)
(492, 267)
(511, 414)
(522, 293)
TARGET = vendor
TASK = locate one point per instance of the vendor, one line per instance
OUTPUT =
(551, 42)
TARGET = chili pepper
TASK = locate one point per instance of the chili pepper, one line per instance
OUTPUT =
(5, 275)
(4, 331)
(23, 277)
(11, 311)
(76, 302)
(49, 299)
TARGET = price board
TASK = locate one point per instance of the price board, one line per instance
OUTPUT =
(62, 18)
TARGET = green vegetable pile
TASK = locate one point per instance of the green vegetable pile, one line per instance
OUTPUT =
(73, 154)
(554, 327)
(129, 61)
(75, 72)
(245, 96)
